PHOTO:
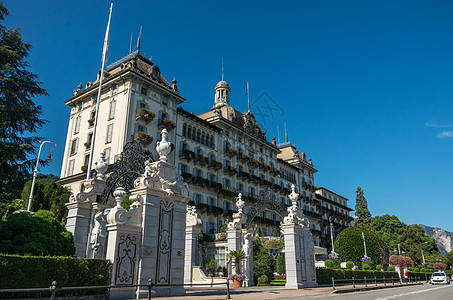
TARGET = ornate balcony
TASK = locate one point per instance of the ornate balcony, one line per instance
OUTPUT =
(145, 115)
(243, 175)
(230, 152)
(231, 171)
(215, 165)
(243, 158)
(275, 172)
(144, 138)
(254, 163)
(187, 155)
(200, 159)
(167, 124)
(215, 186)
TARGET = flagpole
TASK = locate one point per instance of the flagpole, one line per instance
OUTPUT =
(248, 97)
(98, 100)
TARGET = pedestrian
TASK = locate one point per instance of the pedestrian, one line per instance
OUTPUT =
(406, 275)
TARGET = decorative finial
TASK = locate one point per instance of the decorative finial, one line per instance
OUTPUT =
(119, 195)
(163, 147)
(293, 196)
(239, 203)
(101, 166)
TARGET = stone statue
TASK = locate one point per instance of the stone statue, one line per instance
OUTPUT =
(99, 232)
(248, 244)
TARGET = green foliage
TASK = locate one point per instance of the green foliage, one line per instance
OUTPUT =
(349, 265)
(263, 262)
(20, 117)
(349, 245)
(379, 267)
(450, 259)
(280, 265)
(126, 204)
(411, 238)
(366, 266)
(328, 263)
(390, 229)
(333, 263)
(39, 235)
(39, 272)
(324, 276)
(274, 244)
(263, 279)
(391, 268)
(363, 215)
(48, 195)
(211, 265)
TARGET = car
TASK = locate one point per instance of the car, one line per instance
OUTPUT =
(439, 278)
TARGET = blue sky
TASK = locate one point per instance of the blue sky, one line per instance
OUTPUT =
(365, 87)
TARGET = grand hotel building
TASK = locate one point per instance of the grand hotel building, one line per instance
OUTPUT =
(220, 153)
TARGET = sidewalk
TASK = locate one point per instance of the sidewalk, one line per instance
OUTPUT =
(259, 293)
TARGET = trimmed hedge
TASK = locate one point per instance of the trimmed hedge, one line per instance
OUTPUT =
(324, 276)
(18, 272)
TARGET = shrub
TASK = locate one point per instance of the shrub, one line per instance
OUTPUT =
(263, 262)
(324, 276)
(280, 265)
(365, 266)
(349, 245)
(329, 263)
(263, 280)
(39, 272)
(391, 268)
(379, 267)
(349, 265)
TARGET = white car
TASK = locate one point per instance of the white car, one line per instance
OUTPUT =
(439, 278)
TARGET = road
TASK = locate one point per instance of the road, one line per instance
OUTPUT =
(418, 292)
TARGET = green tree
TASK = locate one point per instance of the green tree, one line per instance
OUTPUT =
(450, 258)
(411, 238)
(20, 117)
(349, 245)
(280, 265)
(390, 228)
(49, 195)
(263, 262)
(362, 214)
(39, 235)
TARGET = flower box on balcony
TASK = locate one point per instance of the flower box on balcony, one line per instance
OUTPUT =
(276, 172)
(187, 177)
(216, 210)
(255, 179)
(231, 170)
(167, 124)
(267, 167)
(243, 158)
(200, 159)
(215, 186)
(145, 115)
(202, 207)
(216, 165)
(230, 152)
(144, 138)
(200, 181)
(254, 163)
(187, 155)
(90, 122)
(87, 145)
(243, 175)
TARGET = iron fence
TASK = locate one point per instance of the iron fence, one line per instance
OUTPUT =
(373, 281)
(54, 288)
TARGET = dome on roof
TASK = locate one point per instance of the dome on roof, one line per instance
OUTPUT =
(222, 83)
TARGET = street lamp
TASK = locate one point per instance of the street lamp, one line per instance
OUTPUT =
(423, 257)
(35, 172)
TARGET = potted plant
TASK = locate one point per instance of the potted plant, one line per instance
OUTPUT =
(210, 267)
(237, 256)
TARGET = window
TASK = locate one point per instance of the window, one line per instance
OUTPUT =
(184, 129)
(144, 91)
(74, 146)
(77, 125)
(87, 159)
(71, 167)
(164, 100)
(107, 154)
(79, 106)
(211, 201)
(114, 88)
(112, 110)
(226, 182)
(108, 136)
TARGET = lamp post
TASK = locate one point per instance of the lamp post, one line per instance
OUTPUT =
(423, 257)
(35, 172)
(364, 244)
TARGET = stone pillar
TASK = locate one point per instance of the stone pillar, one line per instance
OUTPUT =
(81, 213)
(124, 234)
(193, 228)
(235, 233)
(162, 248)
(299, 247)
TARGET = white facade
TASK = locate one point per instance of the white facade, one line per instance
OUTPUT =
(134, 91)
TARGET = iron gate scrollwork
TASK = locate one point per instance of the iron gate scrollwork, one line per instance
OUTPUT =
(128, 167)
(267, 201)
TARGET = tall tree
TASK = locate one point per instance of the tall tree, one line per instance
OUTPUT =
(390, 228)
(362, 214)
(20, 117)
